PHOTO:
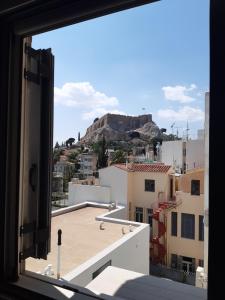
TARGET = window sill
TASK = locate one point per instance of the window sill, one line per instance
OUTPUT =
(42, 286)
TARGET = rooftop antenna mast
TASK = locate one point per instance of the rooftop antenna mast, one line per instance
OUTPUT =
(187, 131)
(177, 127)
(172, 127)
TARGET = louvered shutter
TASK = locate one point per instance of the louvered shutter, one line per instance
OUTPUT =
(36, 154)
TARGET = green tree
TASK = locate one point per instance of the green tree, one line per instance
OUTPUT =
(70, 142)
(100, 148)
(119, 156)
(56, 155)
(56, 145)
(73, 157)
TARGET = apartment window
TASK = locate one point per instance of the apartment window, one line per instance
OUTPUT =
(149, 216)
(195, 187)
(174, 224)
(188, 226)
(102, 268)
(139, 214)
(201, 228)
(149, 185)
(201, 263)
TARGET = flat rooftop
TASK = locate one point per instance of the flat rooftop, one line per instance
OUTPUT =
(81, 239)
(132, 286)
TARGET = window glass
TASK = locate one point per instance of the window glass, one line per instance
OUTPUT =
(188, 226)
(201, 228)
(139, 214)
(149, 185)
(149, 216)
(195, 187)
(174, 223)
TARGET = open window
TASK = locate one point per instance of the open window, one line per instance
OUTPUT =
(32, 224)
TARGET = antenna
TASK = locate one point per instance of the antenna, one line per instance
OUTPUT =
(187, 130)
(172, 127)
(177, 127)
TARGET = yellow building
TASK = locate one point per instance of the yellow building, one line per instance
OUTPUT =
(184, 223)
(173, 205)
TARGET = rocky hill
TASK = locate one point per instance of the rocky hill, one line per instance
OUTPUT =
(121, 128)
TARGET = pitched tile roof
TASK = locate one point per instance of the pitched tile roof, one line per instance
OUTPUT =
(159, 167)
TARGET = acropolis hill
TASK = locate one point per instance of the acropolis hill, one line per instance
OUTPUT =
(121, 128)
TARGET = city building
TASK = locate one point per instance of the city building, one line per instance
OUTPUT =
(88, 162)
(137, 187)
(184, 224)
(65, 167)
(183, 155)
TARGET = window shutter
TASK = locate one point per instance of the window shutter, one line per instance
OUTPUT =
(36, 152)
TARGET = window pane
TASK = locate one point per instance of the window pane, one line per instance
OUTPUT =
(149, 185)
(149, 216)
(187, 226)
(201, 229)
(174, 223)
(139, 214)
(195, 187)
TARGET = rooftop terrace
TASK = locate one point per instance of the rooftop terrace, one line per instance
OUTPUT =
(81, 239)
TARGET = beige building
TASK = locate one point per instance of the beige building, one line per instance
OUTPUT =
(138, 187)
(184, 223)
(173, 205)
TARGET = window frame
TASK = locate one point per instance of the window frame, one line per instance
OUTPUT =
(174, 213)
(150, 183)
(201, 228)
(184, 233)
(195, 191)
(52, 15)
(149, 214)
(139, 211)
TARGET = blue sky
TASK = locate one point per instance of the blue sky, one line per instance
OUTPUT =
(151, 59)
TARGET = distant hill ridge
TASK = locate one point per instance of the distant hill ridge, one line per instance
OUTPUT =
(116, 127)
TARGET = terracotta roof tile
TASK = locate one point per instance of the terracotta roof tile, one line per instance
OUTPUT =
(159, 167)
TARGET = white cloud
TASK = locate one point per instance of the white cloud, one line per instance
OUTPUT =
(82, 94)
(183, 114)
(98, 112)
(179, 93)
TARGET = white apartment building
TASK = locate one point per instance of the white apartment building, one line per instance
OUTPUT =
(183, 155)
(65, 167)
(88, 163)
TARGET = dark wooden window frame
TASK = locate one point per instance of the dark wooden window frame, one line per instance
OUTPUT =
(18, 21)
